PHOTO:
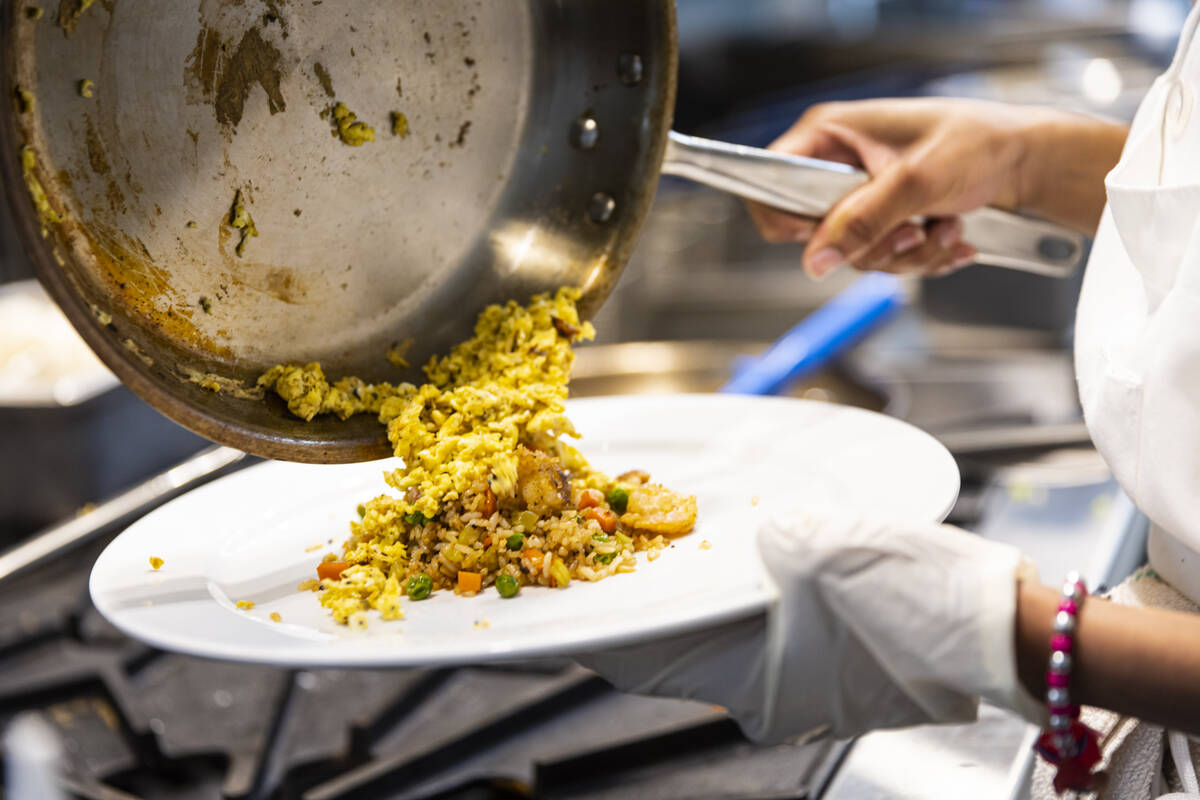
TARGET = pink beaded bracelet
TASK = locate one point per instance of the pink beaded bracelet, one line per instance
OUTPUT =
(1072, 747)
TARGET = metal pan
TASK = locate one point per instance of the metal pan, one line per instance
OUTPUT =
(535, 135)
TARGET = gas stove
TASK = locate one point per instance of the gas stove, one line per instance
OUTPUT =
(140, 723)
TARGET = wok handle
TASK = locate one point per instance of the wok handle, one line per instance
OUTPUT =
(810, 187)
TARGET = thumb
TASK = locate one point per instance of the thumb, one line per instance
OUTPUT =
(862, 219)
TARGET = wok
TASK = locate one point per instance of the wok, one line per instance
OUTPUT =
(532, 141)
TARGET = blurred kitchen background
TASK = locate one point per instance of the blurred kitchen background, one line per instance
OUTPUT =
(981, 359)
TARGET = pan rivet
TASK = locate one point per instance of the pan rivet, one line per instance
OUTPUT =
(601, 207)
(584, 132)
(629, 68)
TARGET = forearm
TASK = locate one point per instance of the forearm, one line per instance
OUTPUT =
(1143, 662)
(1066, 157)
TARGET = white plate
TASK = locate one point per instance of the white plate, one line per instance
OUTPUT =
(250, 536)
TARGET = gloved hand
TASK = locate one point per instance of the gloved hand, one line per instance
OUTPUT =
(876, 625)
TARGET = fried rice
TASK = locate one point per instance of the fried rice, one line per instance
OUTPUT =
(489, 494)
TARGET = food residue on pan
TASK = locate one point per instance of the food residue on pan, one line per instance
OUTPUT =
(349, 129)
(206, 305)
(102, 316)
(461, 139)
(323, 78)
(245, 605)
(69, 12)
(399, 124)
(85, 88)
(33, 12)
(131, 346)
(488, 491)
(156, 562)
(396, 353)
(24, 99)
(307, 392)
(222, 385)
(37, 193)
(240, 219)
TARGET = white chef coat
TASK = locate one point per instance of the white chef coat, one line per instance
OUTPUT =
(1138, 325)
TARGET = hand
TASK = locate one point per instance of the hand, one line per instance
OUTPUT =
(935, 159)
(877, 625)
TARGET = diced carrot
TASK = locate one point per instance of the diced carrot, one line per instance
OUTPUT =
(487, 542)
(590, 498)
(332, 569)
(533, 558)
(469, 581)
(606, 518)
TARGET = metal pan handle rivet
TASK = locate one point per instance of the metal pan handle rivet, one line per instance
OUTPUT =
(630, 69)
(1056, 248)
(585, 132)
(601, 207)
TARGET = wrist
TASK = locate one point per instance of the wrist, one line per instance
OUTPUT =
(1034, 625)
(1041, 137)
(1062, 160)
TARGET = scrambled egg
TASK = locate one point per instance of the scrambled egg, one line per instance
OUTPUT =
(240, 219)
(502, 387)
(399, 124)
(68, 17)
(85, 88)
(349, 129)
(307, 392)
(25, 100)
(222, 385)
(36, 192)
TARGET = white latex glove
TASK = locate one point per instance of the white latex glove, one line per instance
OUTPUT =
(876, 625)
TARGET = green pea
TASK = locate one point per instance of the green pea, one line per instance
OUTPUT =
(618, 499)
(514, 541)
(419, 586)
(507, 585)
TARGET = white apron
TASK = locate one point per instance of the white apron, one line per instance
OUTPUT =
(1137, 352)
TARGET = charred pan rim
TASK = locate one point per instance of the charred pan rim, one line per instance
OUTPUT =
(368, 440)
